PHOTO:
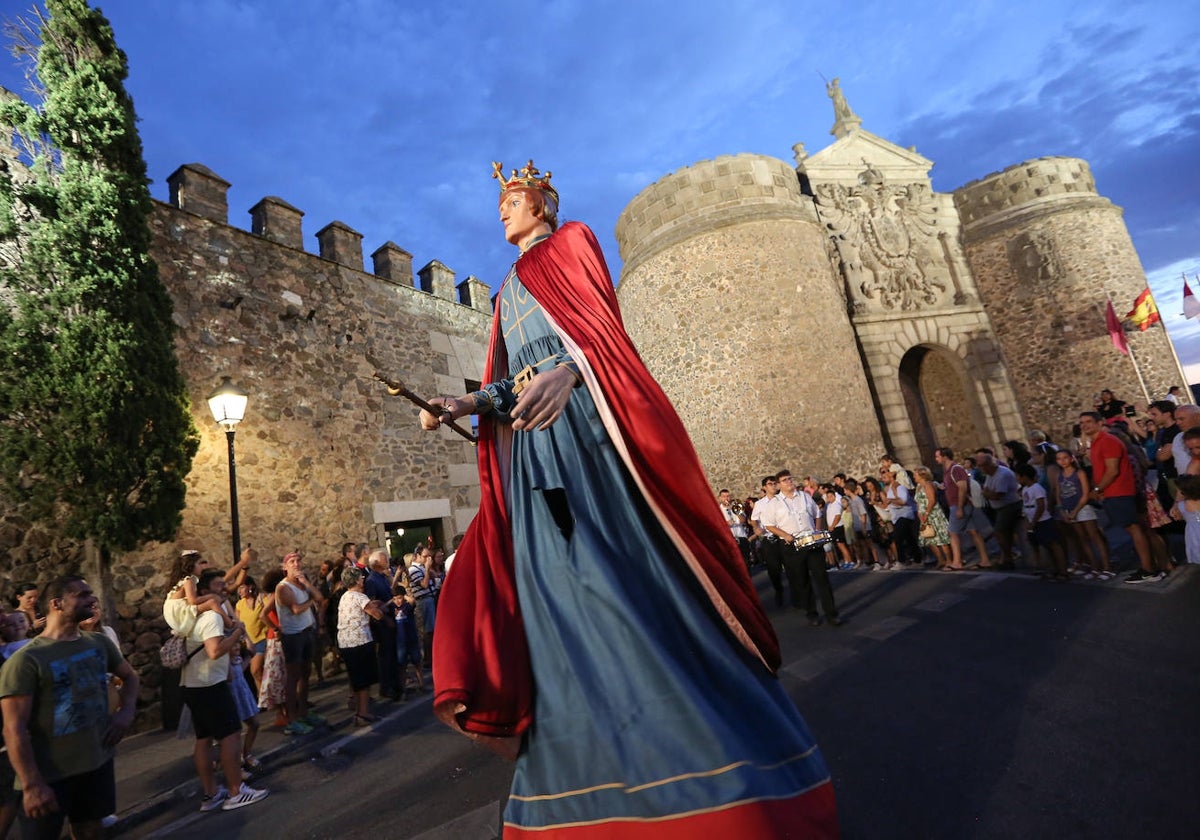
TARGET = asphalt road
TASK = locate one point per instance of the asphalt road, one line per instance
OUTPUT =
(963, 705)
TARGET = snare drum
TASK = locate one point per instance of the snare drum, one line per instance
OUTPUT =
(813, 539)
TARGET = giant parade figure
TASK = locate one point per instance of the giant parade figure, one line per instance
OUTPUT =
(598, 624)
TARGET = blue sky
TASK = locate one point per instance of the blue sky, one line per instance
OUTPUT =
(386, 114)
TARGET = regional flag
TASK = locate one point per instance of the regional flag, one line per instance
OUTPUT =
(1144, 313)
(1115, 331)
(1191, 306)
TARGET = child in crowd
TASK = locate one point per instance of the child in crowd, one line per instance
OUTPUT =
(835, 507)
(14, 630)
(1043, 530)
(408, 639)
(1189, 511)
(183, 597)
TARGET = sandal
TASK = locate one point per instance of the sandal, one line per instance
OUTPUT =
(252, 762)
(364, 720)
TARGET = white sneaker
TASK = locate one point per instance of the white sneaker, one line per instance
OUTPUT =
(878, 567)
(895, 567)
(212, 803)
(246, 796)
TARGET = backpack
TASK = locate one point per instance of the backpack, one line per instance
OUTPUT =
(174, 653)
(976, 490)
(181, 618)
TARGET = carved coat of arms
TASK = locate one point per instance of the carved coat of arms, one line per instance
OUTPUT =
(886, 240)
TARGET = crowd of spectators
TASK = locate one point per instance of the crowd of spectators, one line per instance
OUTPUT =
(1041, 506)
(251, 647)
(363, 612)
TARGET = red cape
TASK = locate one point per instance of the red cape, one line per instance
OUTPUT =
(481, 660)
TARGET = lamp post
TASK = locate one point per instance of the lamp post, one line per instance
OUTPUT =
(228, 405)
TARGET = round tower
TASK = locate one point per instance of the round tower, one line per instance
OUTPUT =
(729, 293)
(1045, 248)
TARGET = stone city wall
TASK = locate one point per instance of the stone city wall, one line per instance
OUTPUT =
(323, 454)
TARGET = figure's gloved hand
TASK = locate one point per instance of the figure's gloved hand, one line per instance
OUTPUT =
(457, 409)
(542, 401)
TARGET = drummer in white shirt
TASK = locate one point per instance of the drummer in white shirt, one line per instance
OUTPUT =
(789, 516)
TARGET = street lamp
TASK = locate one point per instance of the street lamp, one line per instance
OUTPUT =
(228, 405)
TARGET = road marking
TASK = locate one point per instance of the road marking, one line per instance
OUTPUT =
(818, 662)
(939, 603)
(170, 829)
(984, 580)
(887, 628)
(480, 824)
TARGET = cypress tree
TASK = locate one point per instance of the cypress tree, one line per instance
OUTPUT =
(96, 435)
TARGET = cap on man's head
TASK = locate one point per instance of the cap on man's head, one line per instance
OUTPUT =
(191, 552)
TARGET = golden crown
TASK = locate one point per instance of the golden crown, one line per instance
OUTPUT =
(529, 176)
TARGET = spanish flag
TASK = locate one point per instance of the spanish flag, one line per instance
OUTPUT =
(1144, 313)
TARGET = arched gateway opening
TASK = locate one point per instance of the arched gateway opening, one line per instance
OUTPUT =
(939, 401)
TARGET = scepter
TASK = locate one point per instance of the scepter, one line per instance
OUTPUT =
(398, 389)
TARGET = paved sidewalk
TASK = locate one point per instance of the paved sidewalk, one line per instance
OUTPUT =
(155, 773)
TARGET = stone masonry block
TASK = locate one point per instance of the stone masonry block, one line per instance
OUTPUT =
(439, 342)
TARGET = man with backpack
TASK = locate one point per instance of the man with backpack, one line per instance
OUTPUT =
(965, 517)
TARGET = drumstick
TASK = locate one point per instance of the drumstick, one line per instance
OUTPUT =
(398, 388)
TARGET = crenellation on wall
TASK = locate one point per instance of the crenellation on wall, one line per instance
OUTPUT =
(341, 244)
(197, 189)
(476, 294)
(274, 219)
(438, 280)
(1023, 188)
(393, 263)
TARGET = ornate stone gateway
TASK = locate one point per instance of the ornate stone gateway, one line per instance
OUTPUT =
(911, 297)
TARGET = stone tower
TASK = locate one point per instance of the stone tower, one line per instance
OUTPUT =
(1045, 249)
(736, 310)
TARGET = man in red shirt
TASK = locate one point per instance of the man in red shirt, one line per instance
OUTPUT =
(1113, 483)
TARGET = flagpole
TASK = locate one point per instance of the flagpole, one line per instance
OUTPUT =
(1183, 380)
(1136, 367)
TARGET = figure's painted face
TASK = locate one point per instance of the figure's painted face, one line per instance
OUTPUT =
(518, 214)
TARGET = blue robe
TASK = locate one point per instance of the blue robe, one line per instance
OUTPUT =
(645, 704)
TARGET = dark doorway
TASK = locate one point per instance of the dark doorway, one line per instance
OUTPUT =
(938, 401)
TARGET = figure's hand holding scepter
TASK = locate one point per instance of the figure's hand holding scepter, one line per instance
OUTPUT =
(432, 415)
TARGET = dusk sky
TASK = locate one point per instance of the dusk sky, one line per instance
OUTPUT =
(386, 114)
